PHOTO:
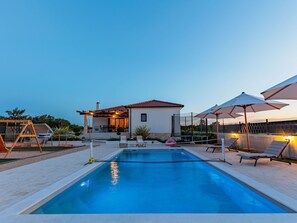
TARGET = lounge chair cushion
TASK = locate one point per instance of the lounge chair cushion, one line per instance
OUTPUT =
(273, 150)
(255, 155)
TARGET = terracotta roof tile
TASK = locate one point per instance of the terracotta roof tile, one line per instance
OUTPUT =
(146, 104)
(154, 104)
(117, 108)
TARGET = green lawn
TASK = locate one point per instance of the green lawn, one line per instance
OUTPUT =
(48, 149)
(7, 160)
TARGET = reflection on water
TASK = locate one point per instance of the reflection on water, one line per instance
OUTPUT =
(114, 173)
(85, 184)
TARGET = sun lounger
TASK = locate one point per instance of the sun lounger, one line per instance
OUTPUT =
(140, 142)
(123, 142)
(272, 152)
(228, 145)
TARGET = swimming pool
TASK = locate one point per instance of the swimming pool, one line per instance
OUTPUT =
(172, 186)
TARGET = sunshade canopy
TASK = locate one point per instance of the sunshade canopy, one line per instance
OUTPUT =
(250, 103)
(210, 113)
(285, 90)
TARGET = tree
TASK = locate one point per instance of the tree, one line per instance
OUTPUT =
(17, 114)
(55, 123)
(48, 119)
(76, 129)
(60, 123)
(51, 121)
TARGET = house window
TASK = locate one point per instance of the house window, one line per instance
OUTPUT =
(143, 117)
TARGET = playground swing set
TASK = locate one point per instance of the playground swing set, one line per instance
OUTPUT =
(23, 129)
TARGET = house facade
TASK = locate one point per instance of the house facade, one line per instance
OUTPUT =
(154, 114)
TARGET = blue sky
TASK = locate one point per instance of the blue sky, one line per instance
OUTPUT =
(58, 56)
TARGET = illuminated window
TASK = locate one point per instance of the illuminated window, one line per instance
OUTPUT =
(143, 117)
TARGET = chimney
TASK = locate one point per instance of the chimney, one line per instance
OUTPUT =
(97, 105)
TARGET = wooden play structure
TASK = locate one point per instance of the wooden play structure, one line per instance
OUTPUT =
(21, 129)
(3, 147)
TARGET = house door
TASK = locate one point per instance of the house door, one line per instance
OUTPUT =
(114, 123)
(119, 122)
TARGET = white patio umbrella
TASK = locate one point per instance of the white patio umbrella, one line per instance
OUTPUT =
(247, 103)
(211, 113)
(285, 90)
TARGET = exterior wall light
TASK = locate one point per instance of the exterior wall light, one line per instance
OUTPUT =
(288, 138)
(234, 135)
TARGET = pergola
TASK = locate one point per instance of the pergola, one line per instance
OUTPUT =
(120, 112)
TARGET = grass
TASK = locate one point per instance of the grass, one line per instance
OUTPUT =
(45, 149)
(33, 149)
(7, 160)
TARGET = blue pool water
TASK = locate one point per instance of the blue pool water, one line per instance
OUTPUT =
(181, 187)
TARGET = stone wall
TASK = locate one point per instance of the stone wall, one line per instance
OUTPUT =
(163, 136)
(104, 135)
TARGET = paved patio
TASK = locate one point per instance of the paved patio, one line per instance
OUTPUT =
(20, 183)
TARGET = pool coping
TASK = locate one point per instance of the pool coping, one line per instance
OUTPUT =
(19, 211)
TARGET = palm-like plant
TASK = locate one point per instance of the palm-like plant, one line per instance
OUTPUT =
(17, 114)
(143, 131)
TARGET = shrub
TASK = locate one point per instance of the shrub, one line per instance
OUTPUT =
(64, 133)
(77, 130)
(143, 131)
(119, 130)
(63, 130)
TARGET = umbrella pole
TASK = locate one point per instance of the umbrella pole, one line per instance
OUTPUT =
(246, 129)
(217, 127)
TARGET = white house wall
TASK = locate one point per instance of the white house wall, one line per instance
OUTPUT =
(159, 120)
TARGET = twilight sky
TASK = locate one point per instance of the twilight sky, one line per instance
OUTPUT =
(60, 56)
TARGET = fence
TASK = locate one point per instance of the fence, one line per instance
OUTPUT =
(192, 128)
(274, 127)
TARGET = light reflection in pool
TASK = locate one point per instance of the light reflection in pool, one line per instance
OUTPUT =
(114, 173)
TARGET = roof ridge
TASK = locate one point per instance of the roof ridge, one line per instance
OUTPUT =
(149, 104)
(111, 107)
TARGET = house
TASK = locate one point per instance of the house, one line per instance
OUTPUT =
(157, 115)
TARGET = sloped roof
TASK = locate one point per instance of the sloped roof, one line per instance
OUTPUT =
(43, 128)
(124, 108)
(154, 104)
(112, 109)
